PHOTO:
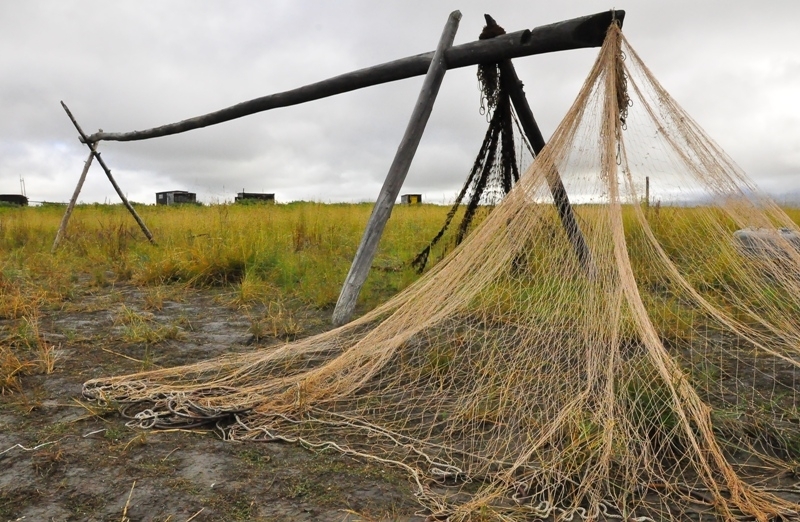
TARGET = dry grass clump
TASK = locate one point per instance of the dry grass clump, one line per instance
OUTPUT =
(142, 327)
(24, 351)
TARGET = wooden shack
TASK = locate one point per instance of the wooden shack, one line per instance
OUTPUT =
(174, 197)
(260, 197)
(14, 199)
(411, 199)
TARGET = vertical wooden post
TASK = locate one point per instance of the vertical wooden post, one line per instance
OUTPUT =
(109, 176)
(397, 174)
(513, 85)
(63, 228)
(647, 192)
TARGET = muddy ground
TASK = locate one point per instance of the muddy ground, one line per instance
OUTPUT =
(63, 459)
(66, 459)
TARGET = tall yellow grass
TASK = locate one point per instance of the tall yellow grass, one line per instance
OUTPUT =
(298, 250)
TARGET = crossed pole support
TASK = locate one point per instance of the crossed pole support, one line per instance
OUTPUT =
(93, 154)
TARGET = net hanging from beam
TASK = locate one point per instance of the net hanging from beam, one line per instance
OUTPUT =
(495, 170)
(513, 384)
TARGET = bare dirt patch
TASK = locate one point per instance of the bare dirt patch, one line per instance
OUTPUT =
(64, 459)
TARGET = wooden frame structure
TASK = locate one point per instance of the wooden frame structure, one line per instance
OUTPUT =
(92, 155)
(583, 32)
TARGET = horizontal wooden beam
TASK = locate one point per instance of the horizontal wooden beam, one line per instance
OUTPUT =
(586, 31)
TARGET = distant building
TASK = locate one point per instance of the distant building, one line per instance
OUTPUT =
(173, 197)
(411, 199)
(255, 196)
(14, 199)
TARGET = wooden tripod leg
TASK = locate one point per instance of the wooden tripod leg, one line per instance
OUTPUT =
(63, 228)
(109, 176)
(394, 179)
(513, 86)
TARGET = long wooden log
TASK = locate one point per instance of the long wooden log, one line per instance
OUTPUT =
(108, 175)
(397, 174)
(62, 229)
(586, 31)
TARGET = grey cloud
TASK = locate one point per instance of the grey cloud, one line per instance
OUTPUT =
(125, 66)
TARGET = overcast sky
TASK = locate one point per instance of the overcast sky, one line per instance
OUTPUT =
(122, 66)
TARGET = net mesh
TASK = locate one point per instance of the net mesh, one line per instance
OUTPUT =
(514, 382)
(495, 169)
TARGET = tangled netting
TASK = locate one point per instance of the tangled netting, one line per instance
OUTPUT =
(512, 383)
(492, 175)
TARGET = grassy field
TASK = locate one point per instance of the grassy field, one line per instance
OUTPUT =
(279, 256)
(222, 278)
(302, 250)
(294, 255)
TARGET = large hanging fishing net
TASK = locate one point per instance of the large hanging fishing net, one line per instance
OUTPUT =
(655, 379)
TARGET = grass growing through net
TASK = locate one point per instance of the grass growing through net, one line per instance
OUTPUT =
(285, 257)
(276, 260)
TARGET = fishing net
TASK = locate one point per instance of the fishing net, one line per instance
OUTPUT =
(495, 170)
(655, 379)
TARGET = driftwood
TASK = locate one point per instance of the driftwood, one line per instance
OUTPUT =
(586, 31)
(108, 175)
(397, 174)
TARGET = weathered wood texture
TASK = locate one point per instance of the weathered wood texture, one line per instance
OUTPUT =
(397, 174)
(63, 228)
(108, 175)
(586, 31)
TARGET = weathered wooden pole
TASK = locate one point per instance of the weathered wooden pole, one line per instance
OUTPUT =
(514, 87)
(566, 213)
(578, 33)
(108, 174)
(63, 228)
(397, 174)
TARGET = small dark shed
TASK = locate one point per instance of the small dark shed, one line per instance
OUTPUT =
(411, 199)
(173, 197)
(255, 196)
(14, 199)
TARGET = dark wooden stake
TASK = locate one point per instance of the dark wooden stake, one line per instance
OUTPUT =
(514, 87)
(63, 228)
(397, 174)
(586, 31)
(108, 174)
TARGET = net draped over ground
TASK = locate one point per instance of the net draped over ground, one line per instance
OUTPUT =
(656, 379)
